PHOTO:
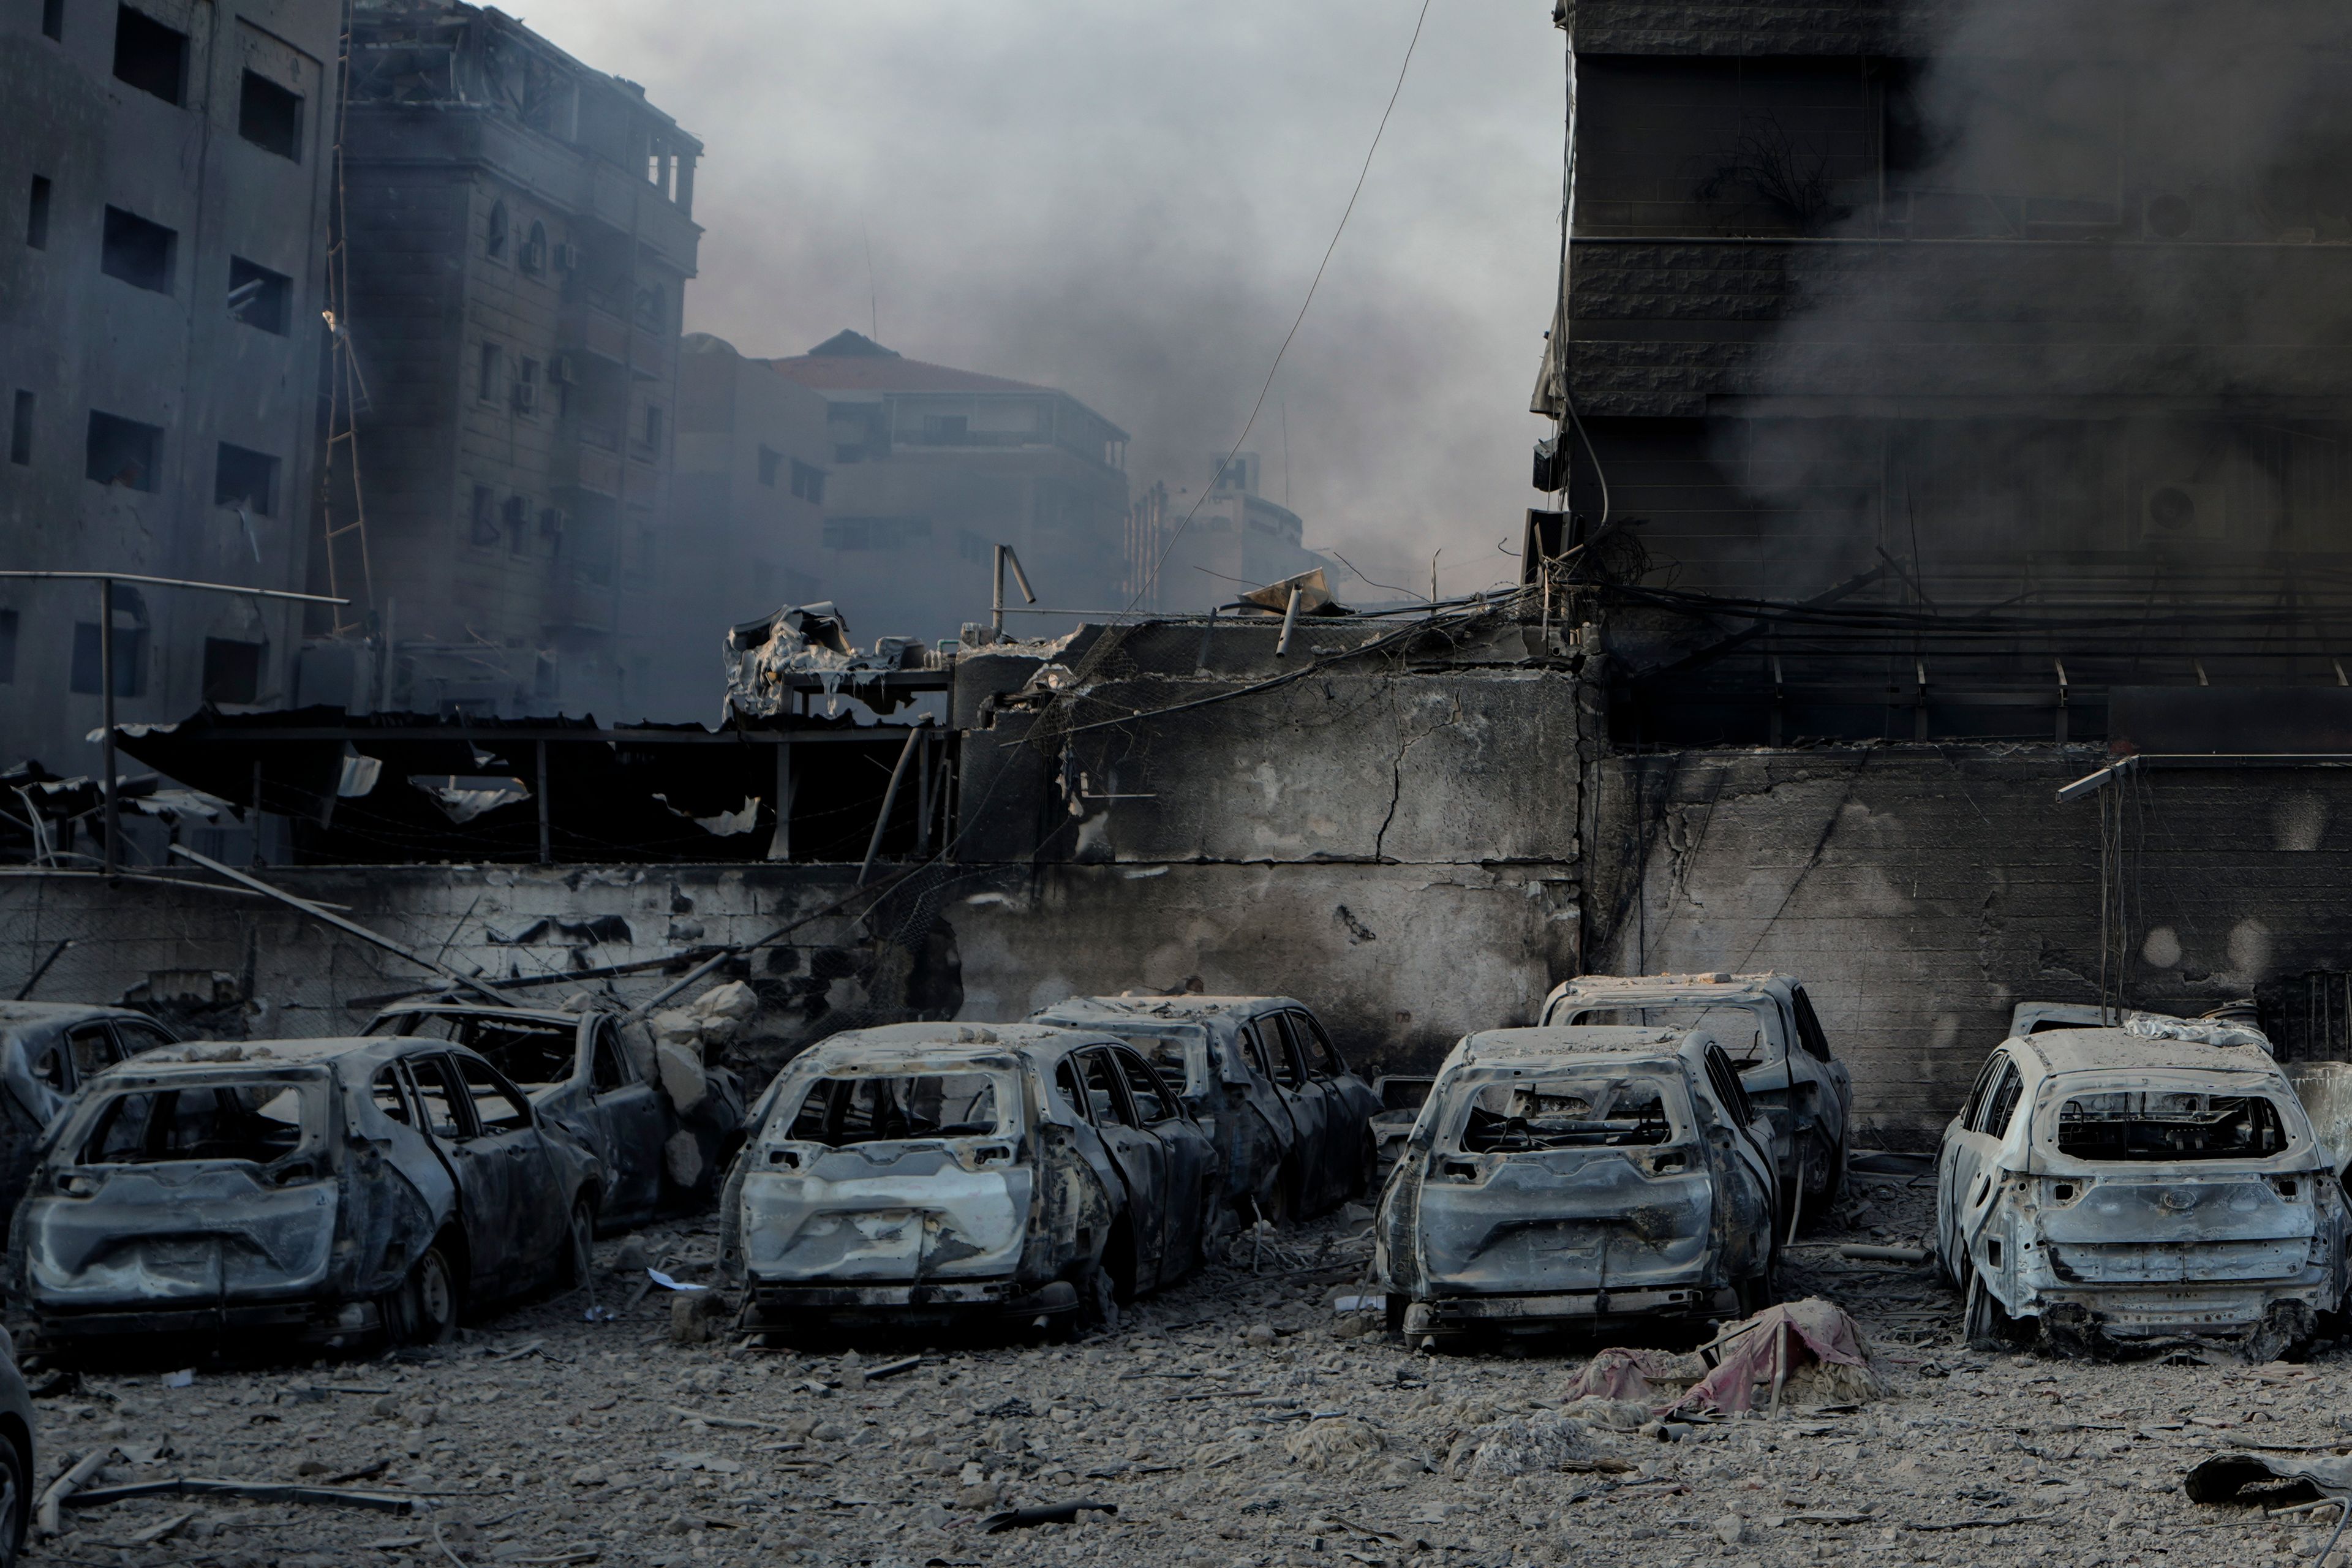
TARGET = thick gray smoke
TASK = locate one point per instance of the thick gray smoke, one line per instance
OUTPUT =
(2120, 327)
(1128, 202)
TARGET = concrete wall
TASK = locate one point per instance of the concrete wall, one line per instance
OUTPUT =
(1921, 892)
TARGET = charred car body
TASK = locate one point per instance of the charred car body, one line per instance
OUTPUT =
(942, 1171)
(46, 1048)
(2127, 1187)
(1292, 1123)
(662, 1129)
(1565, 1177)
(322, 1189)
(1767, 1023)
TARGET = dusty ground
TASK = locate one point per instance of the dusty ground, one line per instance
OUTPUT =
(1236, 1420)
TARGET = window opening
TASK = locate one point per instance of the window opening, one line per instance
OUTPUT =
(36, 214)
(494, 236)
(150, 56)
(259, 297)
(2155, 1124)
(270, 117)
(808, 482)
(1104, 1096)
(123, 451)
(231, 670)
(245, 477)
(138, 252)
(839, 1112)
(20, 428)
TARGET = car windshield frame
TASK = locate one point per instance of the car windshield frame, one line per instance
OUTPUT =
(1458, 1099)
(96, 1122)
(787, 1116)
(1758, 1005)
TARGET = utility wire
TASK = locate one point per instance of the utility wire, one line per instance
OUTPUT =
(1152, 577)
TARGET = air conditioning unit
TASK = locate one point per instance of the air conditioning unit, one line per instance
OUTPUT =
(526, 396)
(2173, 512)
(559, 371)
(567, 258)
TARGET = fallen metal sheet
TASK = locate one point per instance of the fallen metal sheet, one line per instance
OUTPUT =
(256, 1491)
(2225, 1476)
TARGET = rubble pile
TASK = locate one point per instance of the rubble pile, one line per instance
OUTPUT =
(1238, 1419)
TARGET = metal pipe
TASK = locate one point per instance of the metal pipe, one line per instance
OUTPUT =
(178, 583)
(1003, 553)
(106, 707)
(889, 798)
(1289, 621)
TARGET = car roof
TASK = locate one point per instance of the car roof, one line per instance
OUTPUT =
(557, 1016)
(20, 1015)
(1550, 1046)
(2087, 1050)
(1186, 1008)
(975, 1045)
(1719, 984)
(363, 1052)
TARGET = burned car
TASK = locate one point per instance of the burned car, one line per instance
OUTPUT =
(1292, 1123)
(313, 1190)
(46, 1048)
(664, 1130)
(2119, 1187)
(1768, 1025)
(932, 1172)
(1578, 1177)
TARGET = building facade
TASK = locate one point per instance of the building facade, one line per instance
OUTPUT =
(1193, 551)
(520, 238)
(166, 170)
(748, 500)
(931, 468)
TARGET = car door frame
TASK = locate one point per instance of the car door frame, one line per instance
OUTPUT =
(1310, 1111)
(1970, 1158)
(1189, 1163)
(533, 1178)
(493, 1256)
(1343, 1130)
(1141, 1162)
(624, 1114)
(1263, 1097)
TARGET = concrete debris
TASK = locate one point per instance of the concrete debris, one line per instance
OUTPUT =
(1518, 1445)
(1629, 1374)
(1334, 1443)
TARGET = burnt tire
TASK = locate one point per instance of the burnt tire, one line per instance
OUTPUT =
(580, 1262)
(1289, 1199)
(424, 1308)
(16, 1502)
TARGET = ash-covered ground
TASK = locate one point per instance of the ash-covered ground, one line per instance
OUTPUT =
(1235, 1420)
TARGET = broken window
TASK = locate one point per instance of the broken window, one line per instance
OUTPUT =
(611, 1068)
(130, 656)
(137, 251)
(259, 297)
(486, 378)
(530, 1054)
(494, 232)
(2166, 1124)
(1737, 1027)
(2000, 1103)
(1179, 1054)
(270, 117)
(36, 214)
(442, 1100)
(839, 1111)
(533, 257)
(1152, 1103)
(260, 1121)
(389, 1098)
(1105, 1103)
(1065, 1083)
(517, 520)
(770, 461)
(1591, 1109)
(808, 482)
(526, 391)
(123, 452)
(20, 429)
(150, 56)
(1809, 1027)
(92, 1050)
(497, 1107)
(231, 670)
(485, 516)
(245, 477)
(53, 20)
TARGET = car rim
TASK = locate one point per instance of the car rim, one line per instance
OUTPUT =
(436, 1302)
(12, 1503)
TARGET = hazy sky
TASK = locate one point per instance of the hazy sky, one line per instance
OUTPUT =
(1128, 202)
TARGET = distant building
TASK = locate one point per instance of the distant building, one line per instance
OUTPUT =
(747, 499)
(931, 468)
(520, 240)
(1196, 550)
(164, 173)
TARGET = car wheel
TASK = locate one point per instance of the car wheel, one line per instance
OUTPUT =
(425, 1306)
(1288, 1205)
(16, 1503)
(1393, 1306)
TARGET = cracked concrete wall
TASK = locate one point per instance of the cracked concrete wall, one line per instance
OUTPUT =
(1921, 892)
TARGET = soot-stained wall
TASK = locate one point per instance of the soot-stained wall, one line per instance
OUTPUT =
(1921, 892)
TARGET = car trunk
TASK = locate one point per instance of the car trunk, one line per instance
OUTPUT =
(837, 1198)
(1597, 1183)
(2127, 1231)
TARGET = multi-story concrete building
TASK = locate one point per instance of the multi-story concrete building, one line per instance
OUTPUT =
(749, 498)
(520, 236)
(164, 173)
(2009, 307)
(1195, 550)
(931, 468)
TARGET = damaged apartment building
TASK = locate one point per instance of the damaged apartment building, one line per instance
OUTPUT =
(165, 171)
(518, 237)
